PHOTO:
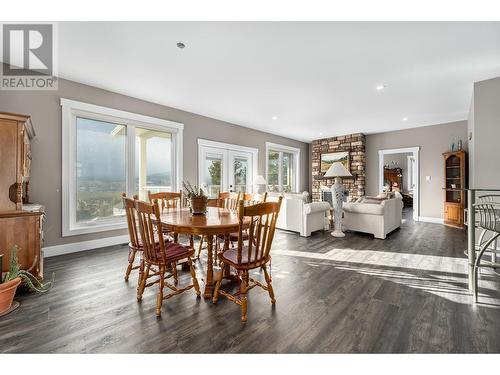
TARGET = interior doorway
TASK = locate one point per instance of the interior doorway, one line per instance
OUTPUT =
(399, 171)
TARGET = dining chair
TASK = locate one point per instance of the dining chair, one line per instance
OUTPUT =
(227, 200)
(167, 199)
(248, 200)
(134, 245)
(160, 254)
(256, 254)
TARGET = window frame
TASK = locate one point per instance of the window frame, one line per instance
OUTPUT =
(72, 109)
(296, 160)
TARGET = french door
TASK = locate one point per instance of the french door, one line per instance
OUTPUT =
(224, 167)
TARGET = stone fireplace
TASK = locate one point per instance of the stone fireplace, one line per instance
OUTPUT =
(355, 145)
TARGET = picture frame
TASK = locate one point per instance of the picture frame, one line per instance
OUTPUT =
(327, 159)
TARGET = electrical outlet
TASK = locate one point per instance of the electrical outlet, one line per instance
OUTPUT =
(427, 178)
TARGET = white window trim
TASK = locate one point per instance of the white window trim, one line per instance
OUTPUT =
(70, 110)
(289, 149)
(231, 147)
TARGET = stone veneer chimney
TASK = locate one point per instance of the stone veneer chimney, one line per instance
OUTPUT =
(355, 144)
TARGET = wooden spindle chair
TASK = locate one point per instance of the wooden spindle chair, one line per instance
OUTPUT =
(166, 199)
(134, 245)
(254, 255)
(248, 200)
(160, 254)
(227, 200)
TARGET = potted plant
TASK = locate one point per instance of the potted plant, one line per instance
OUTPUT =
(196, 197)
(9, 284)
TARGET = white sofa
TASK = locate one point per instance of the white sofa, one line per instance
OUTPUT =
(372, 215)
(297, 215)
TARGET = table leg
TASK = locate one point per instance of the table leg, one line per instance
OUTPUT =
(209, 287)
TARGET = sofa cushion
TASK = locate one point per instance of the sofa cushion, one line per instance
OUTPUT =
(316, 207)
(364, 208)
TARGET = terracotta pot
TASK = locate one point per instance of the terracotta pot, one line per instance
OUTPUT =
(7, 292)
(198, 205)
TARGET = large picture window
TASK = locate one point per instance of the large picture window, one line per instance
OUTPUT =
(282, 165)
(107, 152)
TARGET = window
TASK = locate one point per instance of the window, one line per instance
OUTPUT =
(107, 152)
(100, 170)
(226, 167)
(153, 162)
(282, 166)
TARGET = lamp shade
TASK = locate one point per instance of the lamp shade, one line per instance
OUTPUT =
(337, 169)
(260, 180)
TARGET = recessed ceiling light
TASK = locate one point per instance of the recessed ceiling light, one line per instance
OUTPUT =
(405, 118)
(181, 45)
(380, 87)
(274, 118)
(320, 133)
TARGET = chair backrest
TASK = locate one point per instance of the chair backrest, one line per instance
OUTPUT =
(254, 198)
(129, 206)
(167, 199)
(261, 231)
(229, 200)
(489, 215)
(150, 230)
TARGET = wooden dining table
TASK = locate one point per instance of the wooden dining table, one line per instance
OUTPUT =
(216, 221)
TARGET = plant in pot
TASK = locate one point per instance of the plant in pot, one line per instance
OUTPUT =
(196, 197)
(14, 277)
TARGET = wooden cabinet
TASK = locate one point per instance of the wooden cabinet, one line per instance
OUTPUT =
(455, 182)
(17, 225)
(22, 228)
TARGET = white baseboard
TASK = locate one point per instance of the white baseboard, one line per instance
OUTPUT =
(434, 220)
(75, 247)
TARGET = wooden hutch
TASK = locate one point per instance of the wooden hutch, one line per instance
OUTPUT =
(455, 183)
(20, 222)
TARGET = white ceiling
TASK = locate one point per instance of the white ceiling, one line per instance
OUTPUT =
(319, 79)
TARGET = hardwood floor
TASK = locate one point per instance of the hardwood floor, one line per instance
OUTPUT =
(405, 294)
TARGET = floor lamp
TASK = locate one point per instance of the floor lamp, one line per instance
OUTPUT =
(338, 171)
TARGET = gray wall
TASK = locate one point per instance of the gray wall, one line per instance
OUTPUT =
(433, 141)
(484, 122)
(45, 109)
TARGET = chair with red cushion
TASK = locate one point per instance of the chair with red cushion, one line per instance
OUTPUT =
(256, 254)
(248, 199)
(227, 200)
(160, 254)
(134, 245)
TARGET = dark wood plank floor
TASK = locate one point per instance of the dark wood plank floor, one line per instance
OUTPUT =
(405, 294)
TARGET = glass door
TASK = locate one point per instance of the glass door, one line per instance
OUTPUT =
(225, 169)
(213, 174)
(240, 164)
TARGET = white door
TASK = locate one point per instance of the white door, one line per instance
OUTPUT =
(213, 170)
(240, 171)
(224, 169)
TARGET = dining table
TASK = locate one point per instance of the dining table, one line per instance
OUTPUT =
(216, 221)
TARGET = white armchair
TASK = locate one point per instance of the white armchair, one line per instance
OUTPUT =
(297, 215)
(378, 217)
